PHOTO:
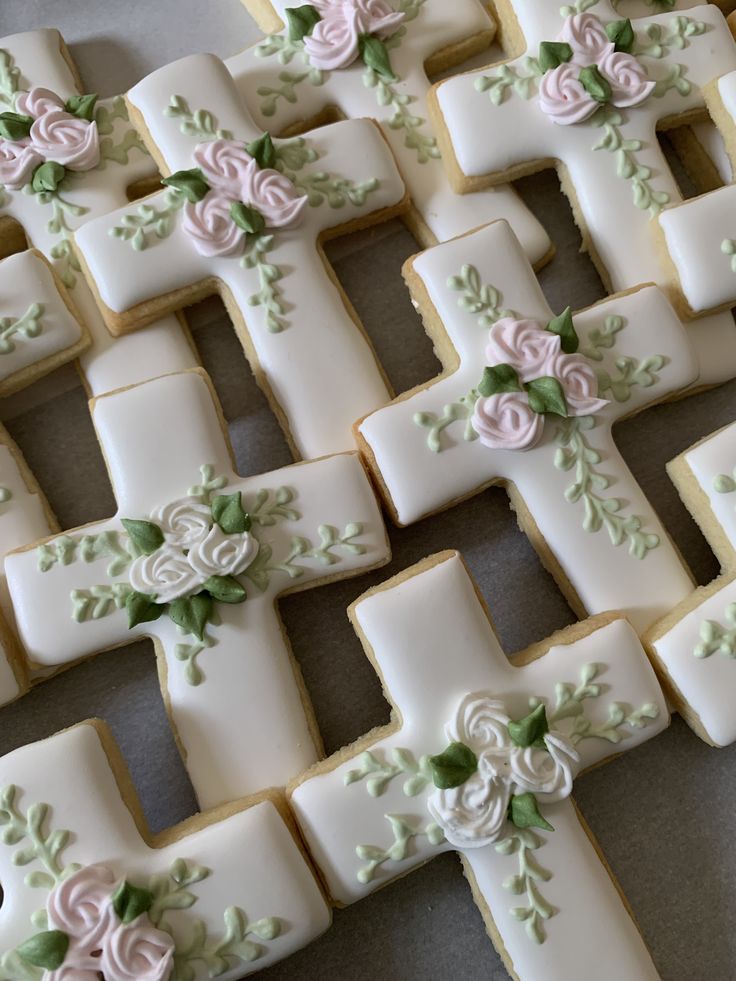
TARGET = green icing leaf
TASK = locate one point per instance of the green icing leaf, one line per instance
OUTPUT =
(524, 813)
(225, 589)
(453, 767)
(47, 177)
(141, 609)
(14, 126)
(621, 33)
(82, 106)
(227, 510)
(263, 151)
(552, 54)
(500, 378)
(375, 55)
(46, 949)
(129, 902)
(546, 395)
(595, 84)
(531, 730)
(565, 329)
(192, 614)
(249, 219)
(145, 535)
(190, 183)
(301, 21)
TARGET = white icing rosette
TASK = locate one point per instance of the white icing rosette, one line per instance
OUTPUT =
(210, 226)
(480, 723)
(563, 98)
(38, 101)
(166, 574)
(549, 771)
(474, 814)
(18, 160)
(579, 383)
(81, 907)
(222, 555)
(185, 522)
(71, 971)
(224, 164)
(630, 84)
(68, 140)
(137, 952)
(587, 37)
(507, 422)
(274, 196)
(524, 344)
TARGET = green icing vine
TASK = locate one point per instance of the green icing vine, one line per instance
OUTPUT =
(188, 654)
(61, 209)
(319, 186)
(659, 38)
(435, 425)
(574, 451)
(644, 195)
(272, 506)
(148, 221)
(270, 296)
(119, 152)
(211, 482)
(106, 544)
(9, 79)
(29, 326)
(478, 299)
(522, 842)
(262, 568)
(506, 77)
(290, 81)
(602, 338)
(98, 601)
(387, 94)
(714, 637)
(379, 775)
(38, 845)
(728, 247)
(631, 371)
(404, 833)
(201, 123)
(235, 943)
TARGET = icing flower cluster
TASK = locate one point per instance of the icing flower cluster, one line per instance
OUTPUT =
(590, 69)
(229, 194)
(535, 371)
(43, 130)
(532, 761)
(336, 32)
(100, 943)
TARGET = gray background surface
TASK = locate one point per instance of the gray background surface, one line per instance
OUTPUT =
(665, 815)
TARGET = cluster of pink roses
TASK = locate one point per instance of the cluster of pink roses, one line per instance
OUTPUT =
(562, 94)
(99, 942)
(335, 40)
(234, 176)
(55, 135)
(506, 421)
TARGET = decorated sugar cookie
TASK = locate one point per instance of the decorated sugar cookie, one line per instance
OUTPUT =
(481, 760)
(587, 89)
(39, 330)
(315, 63)
(244, 214)
(196, 558)
(66, 157)
(527, 400)
(88, 893)
(695, 644)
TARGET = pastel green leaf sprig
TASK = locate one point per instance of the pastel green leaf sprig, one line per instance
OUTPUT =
(507, 79)
(527, 881)
(29, 325)
(728, 247)
(378, 775)
(201, 123)
(645, 196)
(717, 638)
(404, 833)
(477, 298)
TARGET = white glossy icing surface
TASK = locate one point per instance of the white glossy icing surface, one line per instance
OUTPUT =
(155, 437)
(319, 399)
(437, 26)
(420, 482)
(410, 639)
(714, 456)
(520, 133)
(254, 862)
(25, 279)
(37, 54)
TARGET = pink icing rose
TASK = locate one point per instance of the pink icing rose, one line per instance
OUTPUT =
(378, 17)
(563, 98)
(587, 37)
(37, 102)
(334, 41)
(209, 225)
(628, 79)
(81, 907)
(72, 142)
(137, 952)
(274, 196)
(225, 165)
(71, 971)
(579, 382)
(506, 422)
(18, 160)
(524, 344)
